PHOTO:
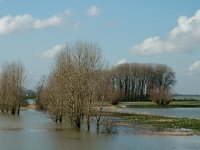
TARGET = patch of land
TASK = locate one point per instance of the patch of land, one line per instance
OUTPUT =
(155, 124)
(31, 106)
(158, 125)
(163, 122)
(173, 104)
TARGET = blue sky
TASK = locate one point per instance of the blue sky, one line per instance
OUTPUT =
(156, 31)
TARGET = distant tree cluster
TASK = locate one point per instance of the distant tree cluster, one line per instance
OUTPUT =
(11, 87)
(139, 82)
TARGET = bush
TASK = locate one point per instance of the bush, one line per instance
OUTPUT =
(114, 97)
(160, 95)
(109, 125)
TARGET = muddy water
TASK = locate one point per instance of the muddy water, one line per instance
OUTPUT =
(34, 130)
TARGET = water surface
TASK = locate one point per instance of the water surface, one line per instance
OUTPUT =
(34, 130)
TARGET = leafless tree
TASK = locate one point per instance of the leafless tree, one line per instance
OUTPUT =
(160, 95)
(101, 90)
(109, 124)
(72, 80)
(39, 91)
(164, 80)
(12, 79)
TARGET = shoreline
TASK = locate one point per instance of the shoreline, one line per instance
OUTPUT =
(30, 106)
(156, 124)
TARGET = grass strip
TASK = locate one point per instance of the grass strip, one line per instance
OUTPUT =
(163, 122)
(174, 104)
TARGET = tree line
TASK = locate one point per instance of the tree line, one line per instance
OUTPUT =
(79, 84)
(139, 82)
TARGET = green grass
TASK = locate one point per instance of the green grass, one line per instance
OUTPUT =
(29, 97)
(186, 97)
(164, 122)
(173, 104)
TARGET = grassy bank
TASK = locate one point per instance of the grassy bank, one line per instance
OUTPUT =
(173, 104)
(163, 122)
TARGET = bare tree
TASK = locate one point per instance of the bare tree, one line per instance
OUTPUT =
(39, 91)
(160, 95)
(164, 80)
(12, 78)
(102, 89)
(109, 125)
(72, 79)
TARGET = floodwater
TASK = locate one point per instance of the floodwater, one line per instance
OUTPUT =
(31, 101)
(173, 112)
(34, 130)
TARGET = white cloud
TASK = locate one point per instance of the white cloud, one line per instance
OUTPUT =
(10, 24)
(93, 11)
(53, 21)
(121, 61)
(51, 53)
(185, 37)
(194, 68)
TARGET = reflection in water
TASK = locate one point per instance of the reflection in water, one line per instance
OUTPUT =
(34, 130)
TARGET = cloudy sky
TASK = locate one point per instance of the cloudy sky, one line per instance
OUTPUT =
(143, 31)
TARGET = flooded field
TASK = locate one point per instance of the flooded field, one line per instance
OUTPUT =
(35, 130)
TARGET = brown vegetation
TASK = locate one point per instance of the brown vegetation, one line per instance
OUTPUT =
(134, 82)
(11, 87)
(72, 83)
(78, 85)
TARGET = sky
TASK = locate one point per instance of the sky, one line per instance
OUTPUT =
(128, 31)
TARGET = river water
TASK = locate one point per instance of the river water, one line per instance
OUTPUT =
(34, 130)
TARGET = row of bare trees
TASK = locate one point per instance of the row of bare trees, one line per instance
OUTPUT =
(11, 87)
(137, 82)
(78, 84)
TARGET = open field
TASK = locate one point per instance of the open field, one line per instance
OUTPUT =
(173, 104)
(186, 97)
